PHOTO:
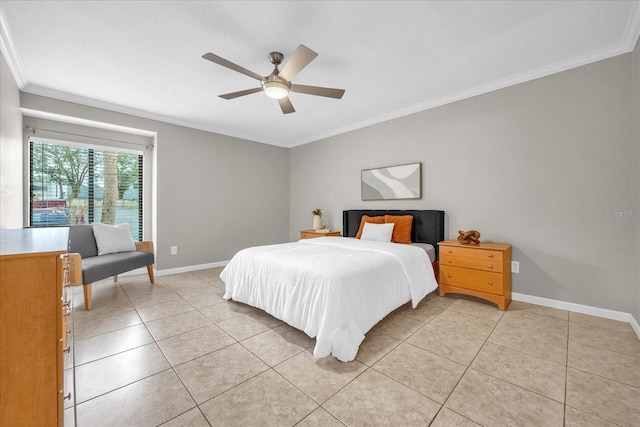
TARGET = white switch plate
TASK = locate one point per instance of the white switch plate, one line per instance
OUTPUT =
(515, 267)
(174, 250)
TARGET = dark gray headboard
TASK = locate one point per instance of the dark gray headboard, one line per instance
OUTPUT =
(428, 226)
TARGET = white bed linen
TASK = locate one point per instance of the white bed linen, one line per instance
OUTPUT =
(334, 289)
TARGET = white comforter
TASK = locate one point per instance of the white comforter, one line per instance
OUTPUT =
(334, 289)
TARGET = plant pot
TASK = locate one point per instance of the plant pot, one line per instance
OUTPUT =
(316, 222)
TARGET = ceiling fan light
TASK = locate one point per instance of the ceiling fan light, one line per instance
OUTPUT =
(275, 89)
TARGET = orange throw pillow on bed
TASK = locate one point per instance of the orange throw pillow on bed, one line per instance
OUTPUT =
(371, 219)
(401, 228)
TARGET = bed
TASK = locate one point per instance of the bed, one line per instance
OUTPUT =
(337, 288)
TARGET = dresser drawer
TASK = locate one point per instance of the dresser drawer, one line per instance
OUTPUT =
(471, 252)
(475, 263)
(483, 281)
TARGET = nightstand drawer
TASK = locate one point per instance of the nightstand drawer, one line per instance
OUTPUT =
(475, 263)
(471, 252)
(483, 281)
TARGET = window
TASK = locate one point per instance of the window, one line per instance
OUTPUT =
(73, 184)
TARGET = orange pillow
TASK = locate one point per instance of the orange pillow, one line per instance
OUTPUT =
(401, 228)
(371, 219)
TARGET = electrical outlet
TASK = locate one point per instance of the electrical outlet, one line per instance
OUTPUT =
(174, 250)
(515, 266)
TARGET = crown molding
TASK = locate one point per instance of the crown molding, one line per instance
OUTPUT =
(9, 53)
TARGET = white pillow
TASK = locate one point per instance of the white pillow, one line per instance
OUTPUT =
(113, 238)
(377, 232)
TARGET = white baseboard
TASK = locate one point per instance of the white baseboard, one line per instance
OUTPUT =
(579, 308)
(190, 268)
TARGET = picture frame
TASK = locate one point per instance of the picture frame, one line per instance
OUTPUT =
(392, 182)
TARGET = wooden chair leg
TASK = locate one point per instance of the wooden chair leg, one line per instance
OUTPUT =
(87, 296)
(150, 271)
(115, 278)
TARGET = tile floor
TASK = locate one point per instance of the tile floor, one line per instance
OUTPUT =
(177, 354)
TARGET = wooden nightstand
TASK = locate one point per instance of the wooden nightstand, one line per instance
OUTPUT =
(310, 234)
(482, 270)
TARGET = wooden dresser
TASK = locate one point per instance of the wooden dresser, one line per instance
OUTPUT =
(310, 234)
(482, 270)
(35, 333)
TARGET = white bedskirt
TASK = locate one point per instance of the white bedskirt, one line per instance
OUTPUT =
(334, 289)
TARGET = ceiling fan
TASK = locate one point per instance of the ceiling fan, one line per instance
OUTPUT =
(278, 84)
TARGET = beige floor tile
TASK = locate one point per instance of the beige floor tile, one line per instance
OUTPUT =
(193, 344)
(620, 367)
(225, 310)
(576, 418)
(601, 322)
(463, 323)
(319, 378)
(540, 344)
(174, 325)
(110, 343)
(375, 345)
(596, 336)
(147, 402)
(191, 418)
(142, 296)
(278, 344)
(427, 373)
(448, 418)
(209, 274)
(217, 372)
(201, 295)
(492, 402)
(529, 372)
(246, 325)
(603, 398)
(100, 322)
(453, 346)
(374, 399)
(180, 279)
(398, 326)
(104, 375)
(320, 418)
(163, 309)
(538, 309)
(427, 309)
(477, 308)
(536, 322)
(266, 400)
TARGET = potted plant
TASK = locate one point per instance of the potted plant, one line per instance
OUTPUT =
(317, 214)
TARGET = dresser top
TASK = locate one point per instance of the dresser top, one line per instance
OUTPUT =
(33, 240)
(488, 245)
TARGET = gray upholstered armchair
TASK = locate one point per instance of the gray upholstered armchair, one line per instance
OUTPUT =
(97, 267)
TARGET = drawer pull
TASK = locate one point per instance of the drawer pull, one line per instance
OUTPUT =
(67, 350)
(449, 251)
(490, 282)
(67, 396)
(490, 255)
(489, 266)
(449, 261)
(449, 276)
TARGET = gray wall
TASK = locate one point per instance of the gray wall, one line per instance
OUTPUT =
(10, 150)
(543, 165)
(214, 194)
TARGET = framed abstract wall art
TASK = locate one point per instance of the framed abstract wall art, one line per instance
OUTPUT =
(392, 182)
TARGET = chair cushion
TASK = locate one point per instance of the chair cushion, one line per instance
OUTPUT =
(82, 241)
(103, 266)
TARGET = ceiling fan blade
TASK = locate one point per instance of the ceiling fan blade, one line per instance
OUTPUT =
(240, 93)
(286, 105)
(319, 91)
(300, 59)
(235, 67)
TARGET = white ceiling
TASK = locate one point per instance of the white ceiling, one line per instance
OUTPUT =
(393, 58)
